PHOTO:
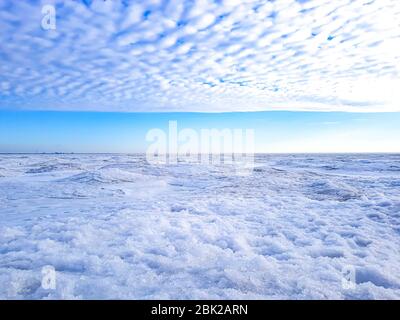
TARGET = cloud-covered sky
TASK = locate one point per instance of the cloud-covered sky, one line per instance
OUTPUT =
(201, 55)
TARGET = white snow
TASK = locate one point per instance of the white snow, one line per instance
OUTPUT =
(114, 226)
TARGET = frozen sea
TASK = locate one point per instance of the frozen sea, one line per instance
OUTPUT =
(114, 226)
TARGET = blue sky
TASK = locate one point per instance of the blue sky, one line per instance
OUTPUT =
(125, 132)
(84, 76)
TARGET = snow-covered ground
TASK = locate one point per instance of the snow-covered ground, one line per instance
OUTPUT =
(114, 226)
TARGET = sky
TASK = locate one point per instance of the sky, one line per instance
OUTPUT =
(81, 75)
(275, 131)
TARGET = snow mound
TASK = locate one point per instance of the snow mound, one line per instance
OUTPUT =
(372, 275)
(329, 190)
(106, 176)
(53, 166)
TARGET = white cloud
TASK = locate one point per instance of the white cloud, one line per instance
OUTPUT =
(202, 56)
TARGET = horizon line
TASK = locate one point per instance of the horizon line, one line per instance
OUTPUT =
(229, 153)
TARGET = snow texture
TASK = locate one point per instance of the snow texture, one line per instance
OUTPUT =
(114, 226)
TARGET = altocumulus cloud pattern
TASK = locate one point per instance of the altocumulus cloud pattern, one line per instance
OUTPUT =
(201, 55)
